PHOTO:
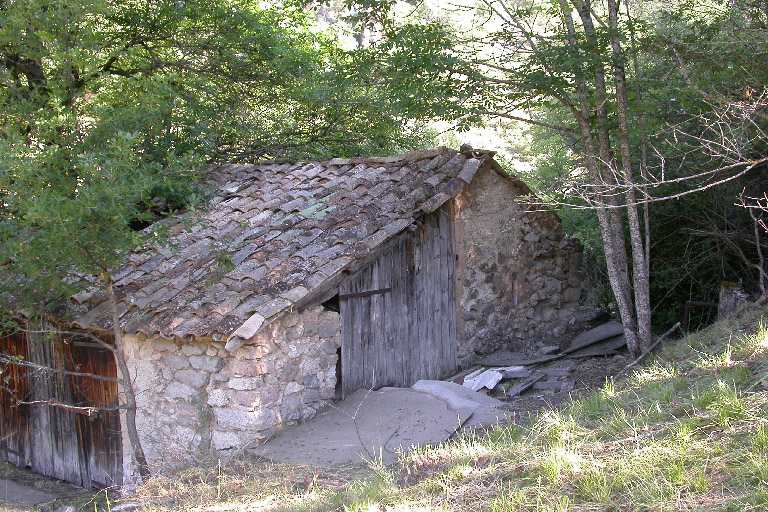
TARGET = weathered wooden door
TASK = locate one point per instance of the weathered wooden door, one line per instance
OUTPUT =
(398, 313)
(14, 385)
(62, 423)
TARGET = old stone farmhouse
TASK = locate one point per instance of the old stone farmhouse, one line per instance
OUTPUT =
(297, 282)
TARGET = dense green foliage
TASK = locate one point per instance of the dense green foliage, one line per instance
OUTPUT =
(698, 118)
(707, 100)
(107, 109)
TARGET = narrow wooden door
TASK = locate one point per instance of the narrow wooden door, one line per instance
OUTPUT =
(398, 313)
(44, 424)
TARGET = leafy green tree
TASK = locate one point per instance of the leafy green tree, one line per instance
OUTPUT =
(573, 56)
(650, 101)
(709, 102)
(109, 107)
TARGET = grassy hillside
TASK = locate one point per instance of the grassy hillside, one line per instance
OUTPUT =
(689, 431)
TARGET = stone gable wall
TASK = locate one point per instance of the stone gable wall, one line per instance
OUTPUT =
(518, 278)
(197, 397)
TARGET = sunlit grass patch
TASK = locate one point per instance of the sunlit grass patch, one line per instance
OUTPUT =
(595, 485)
(367, 494)
(658, 370)
(560, 460)
(467, 446)
(685, 433)
(595, 406)
(658, 474)
(757, 468)
(612, 426)
(511, 498)
(563, 426)
(758, 440)
(729, 404)
(245, 484)
(739, 375)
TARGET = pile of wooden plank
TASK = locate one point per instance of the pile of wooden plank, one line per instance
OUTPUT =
(604, 340)
(558, 380)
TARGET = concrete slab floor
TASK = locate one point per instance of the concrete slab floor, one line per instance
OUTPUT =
(376, 426)
(17, 497)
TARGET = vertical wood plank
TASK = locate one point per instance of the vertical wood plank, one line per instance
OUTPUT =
(55, 446)
(14, 417)
(409, 333)
(101, 439)
(56, 442)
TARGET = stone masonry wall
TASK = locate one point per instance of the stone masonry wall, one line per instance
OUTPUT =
(518, 278)
(283, 375)
(194, 397)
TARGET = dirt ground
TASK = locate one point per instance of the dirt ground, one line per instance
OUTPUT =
(377, 426)
(22, 490)
(14, 496)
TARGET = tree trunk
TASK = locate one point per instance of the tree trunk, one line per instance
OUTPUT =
(610, 230)
(137, 452)
(607, 165)
(639, 264)
(643, 142)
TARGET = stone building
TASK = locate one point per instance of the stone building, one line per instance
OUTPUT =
(301, 282)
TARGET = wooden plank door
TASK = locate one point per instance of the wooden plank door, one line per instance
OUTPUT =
(100, 437)
(39, 431)
(54, 442)
(398, 313)
(14, 388)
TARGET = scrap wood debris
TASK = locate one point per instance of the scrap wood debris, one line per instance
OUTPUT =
(603, 340)
(556, 379)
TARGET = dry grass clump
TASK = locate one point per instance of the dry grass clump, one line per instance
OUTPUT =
(245, 483)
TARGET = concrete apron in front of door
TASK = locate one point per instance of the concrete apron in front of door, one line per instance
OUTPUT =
(377, 426)
(17, 497)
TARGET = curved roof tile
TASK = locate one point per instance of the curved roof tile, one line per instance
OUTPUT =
(273, 235)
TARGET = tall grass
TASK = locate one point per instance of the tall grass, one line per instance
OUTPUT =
(688, 431)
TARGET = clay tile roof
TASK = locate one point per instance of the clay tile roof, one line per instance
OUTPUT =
(273, 237)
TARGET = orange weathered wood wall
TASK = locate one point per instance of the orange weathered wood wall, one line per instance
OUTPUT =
(38, 431)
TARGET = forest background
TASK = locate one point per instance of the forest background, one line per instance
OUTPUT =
(643, 123)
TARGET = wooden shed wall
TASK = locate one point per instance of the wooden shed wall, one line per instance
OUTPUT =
(398, 313)
(38, 430)
(14, 417)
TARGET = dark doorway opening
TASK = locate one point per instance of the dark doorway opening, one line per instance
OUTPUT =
(332, 304)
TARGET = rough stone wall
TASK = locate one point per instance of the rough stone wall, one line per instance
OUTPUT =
(194, 397)
(518, 278)
(283, 375)
(170, 380)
